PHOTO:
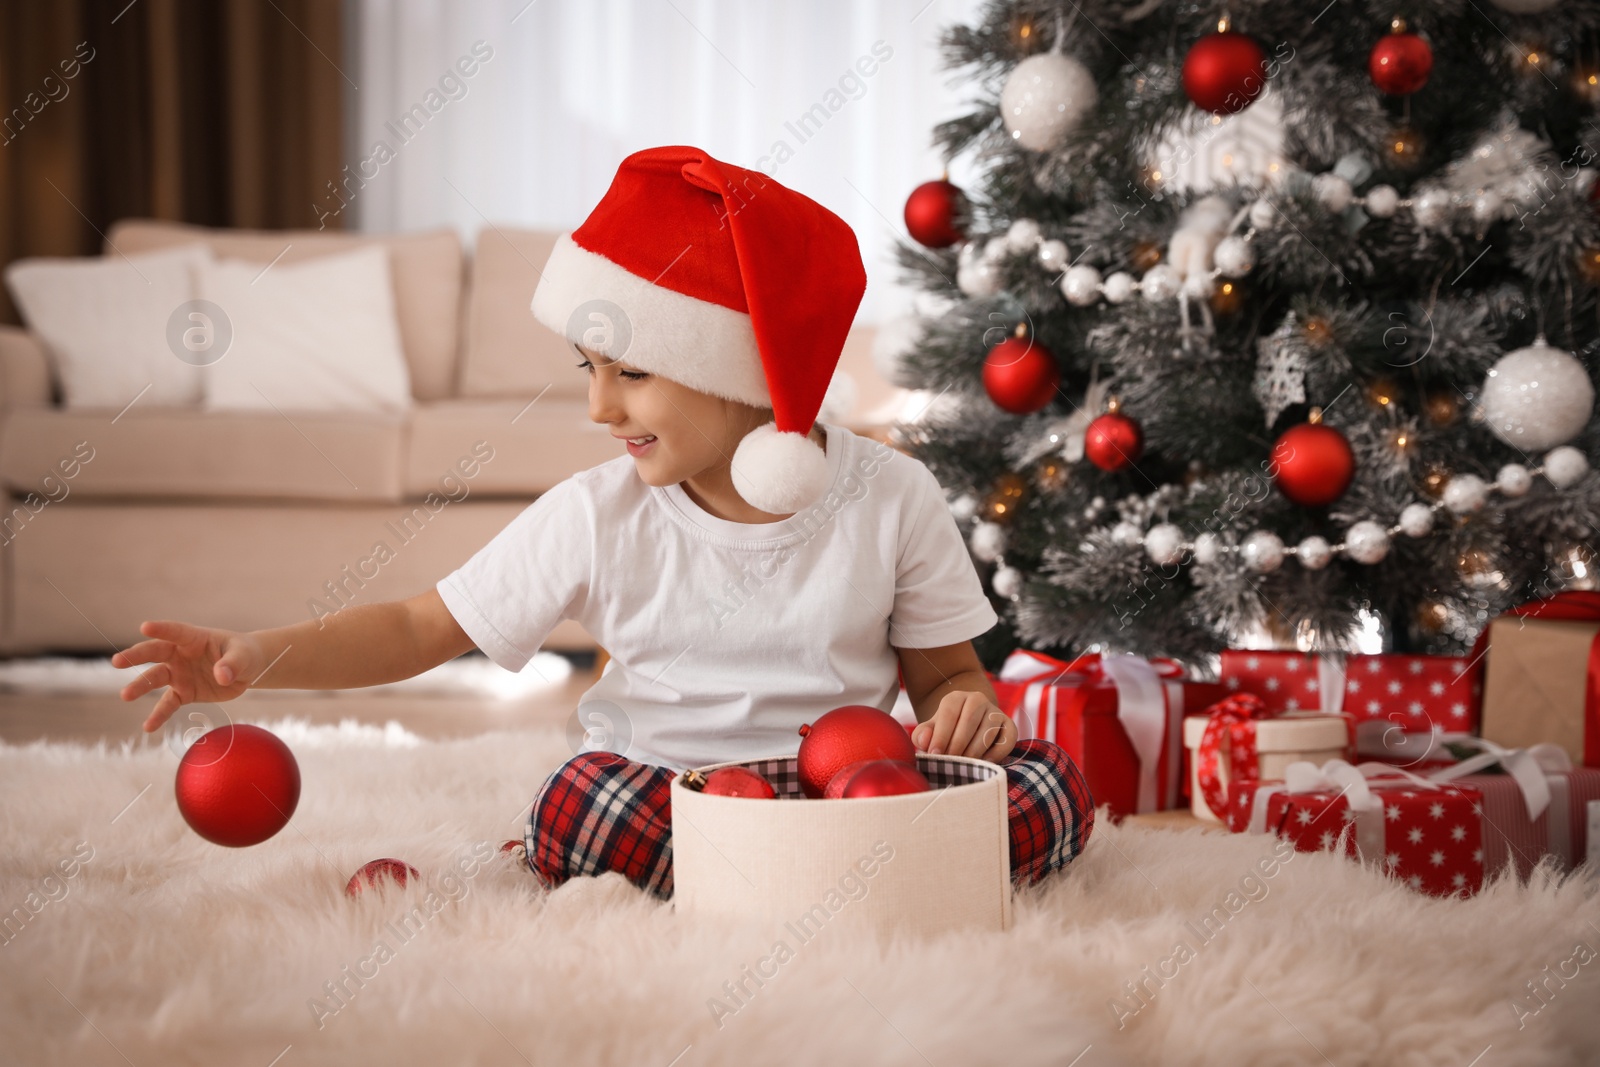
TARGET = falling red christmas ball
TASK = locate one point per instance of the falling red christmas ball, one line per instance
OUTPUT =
(1020, 375)
(237, 785)
(738, 782)
(876, 778)
(1224, 72)
(1113, 441)
(849, 735)
(374, 874)
(1400, 63)
(1313, 464)
(936, 214)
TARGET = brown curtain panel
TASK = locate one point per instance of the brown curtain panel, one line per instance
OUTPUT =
(217, 112)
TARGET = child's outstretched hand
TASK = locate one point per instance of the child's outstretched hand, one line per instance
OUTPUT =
(195, 663)
(967, 724)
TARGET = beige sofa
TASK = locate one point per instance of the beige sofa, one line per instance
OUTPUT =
(245, 521)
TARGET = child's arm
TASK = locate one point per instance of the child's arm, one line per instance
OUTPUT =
(955, 705)
(362, 645)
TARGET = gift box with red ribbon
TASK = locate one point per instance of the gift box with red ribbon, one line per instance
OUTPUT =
(1404, 707)
(1542, 675)
(1238, 737)
(1119, 717)
(1441, 833)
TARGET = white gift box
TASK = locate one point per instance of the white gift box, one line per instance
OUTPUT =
(1280, 741)
(914, 863)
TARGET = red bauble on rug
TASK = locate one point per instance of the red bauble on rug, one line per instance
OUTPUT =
(876, 778)
(1020, 375)
(936, 214)
(849, 735)
(1224, 72)
(376, 874)
(1313, 463)
(237, 785)
(1400, 62)
(1113, 441)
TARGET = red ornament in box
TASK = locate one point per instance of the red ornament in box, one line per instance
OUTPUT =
(1405, 707)
(1313, 463)
(1542, 675)
(1119, 718)
(1020, 375)
(1113, 441)
(1225, 71)
(876, 778)
(237, 785)
(1400, 62)
(732, 782)
(936, 214)
(849, 735)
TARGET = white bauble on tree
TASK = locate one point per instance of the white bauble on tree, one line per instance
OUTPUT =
(1537, 397)
(1514, 480)
(1045, 96)
(963, 507)
(1262, 551)
(1081, 285)
(980, 277)
(1416, 520)
(1207, 547)
(1314, 553)
(1164, 544)
(988, 541)
(1465, 494)
(1007, 582)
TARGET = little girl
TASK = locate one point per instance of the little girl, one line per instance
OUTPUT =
(746, 567)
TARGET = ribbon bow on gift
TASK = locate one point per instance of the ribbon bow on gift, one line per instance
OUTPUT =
(1533, 768)
(1227, 726)
(1352, 781)
(1142, 702)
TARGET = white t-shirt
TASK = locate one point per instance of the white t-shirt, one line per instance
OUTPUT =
(725, 637)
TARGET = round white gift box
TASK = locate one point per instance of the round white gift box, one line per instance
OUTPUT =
(1294, 735)
(915, 863)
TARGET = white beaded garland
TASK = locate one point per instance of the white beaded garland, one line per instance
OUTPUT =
(1263, 551)
(1081, 285)
(1007, 581)
(1161, 282)
(1022, 235)
(1206, 549)
(1164, 544)
(1514, 480)
(1119, 287)
(1314, 553)
(1333, 191)
(1053, 254)
(1486, 205)
(996, 248)
(988, 541)
(1366, 542)
(1234, 257)
(1382, 201)
(1431, 207)
(1263, 214)
(1127, 533)
(1565, 467)
(981, 277)
(1416, 520)
(964, 507)
(1465, 494)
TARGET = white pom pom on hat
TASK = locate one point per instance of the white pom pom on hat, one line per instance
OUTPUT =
(720, 279)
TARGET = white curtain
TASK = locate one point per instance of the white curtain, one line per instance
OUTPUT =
(559, 91)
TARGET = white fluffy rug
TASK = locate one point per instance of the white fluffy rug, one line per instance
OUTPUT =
(164, 949)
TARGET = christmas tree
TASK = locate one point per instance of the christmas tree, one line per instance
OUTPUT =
(1346, 398)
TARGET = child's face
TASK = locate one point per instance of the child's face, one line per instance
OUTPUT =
(695, 433)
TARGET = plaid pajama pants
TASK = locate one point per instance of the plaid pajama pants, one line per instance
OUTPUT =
(603, 812)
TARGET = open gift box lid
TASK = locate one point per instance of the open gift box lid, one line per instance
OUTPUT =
(917, 863)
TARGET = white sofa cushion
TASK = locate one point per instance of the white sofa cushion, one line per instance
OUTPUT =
(104, 323)
(314, 336)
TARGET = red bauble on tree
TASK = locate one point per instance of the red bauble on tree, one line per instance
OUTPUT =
(1224, 71)
(1313, 463)
(936, 214)
(1400, 62)
(849, 735)
(237, 785)
(1020, 375)
(876, 778)
(1113, 441)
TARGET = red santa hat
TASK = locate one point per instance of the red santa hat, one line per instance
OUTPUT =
(720, 279)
